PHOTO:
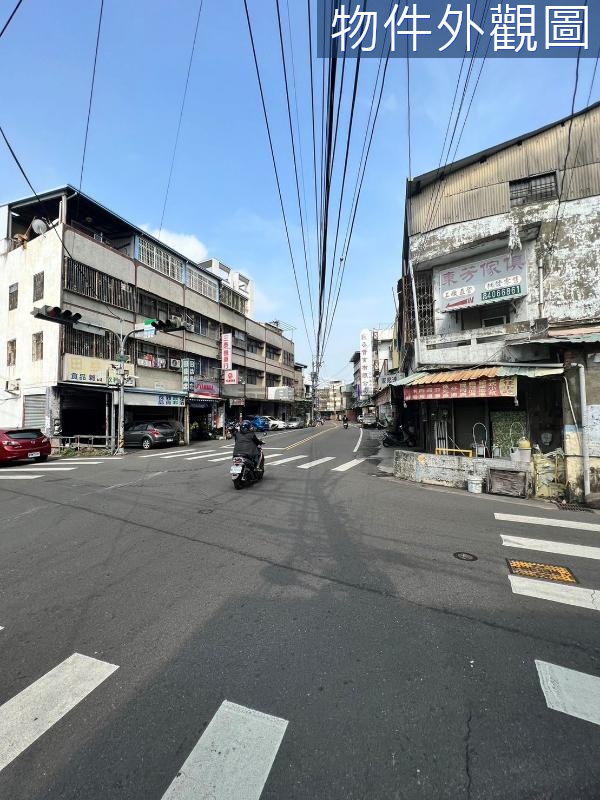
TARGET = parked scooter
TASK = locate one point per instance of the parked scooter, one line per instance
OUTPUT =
(245, 472)
(398, 438)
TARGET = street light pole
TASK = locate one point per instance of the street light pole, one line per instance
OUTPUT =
(120, 450)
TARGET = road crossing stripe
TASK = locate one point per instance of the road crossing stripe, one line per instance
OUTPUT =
(29, 714)
(42, 469)
(562, 548)
(18, 477)
(204, 455)
(348, 465)
(314, 463)
(54, 464)
(223, 458)
(572, 692)
(159, 455)
(178, 455)
(556, 592)
(94, 460)
(285, 460)
(553, 523)
(232, 758)
(273, 455)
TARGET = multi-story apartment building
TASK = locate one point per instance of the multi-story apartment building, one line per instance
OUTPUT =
(116, 276)
(502, 260)
(370, 363)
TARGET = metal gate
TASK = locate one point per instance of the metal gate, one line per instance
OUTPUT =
(34, 411)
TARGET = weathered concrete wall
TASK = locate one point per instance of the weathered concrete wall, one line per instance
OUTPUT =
(446, 470)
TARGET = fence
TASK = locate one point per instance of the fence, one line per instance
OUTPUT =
(61, 443)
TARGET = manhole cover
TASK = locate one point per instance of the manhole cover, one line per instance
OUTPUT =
(544, 572)
(465, 556)
(206, 510)
(572, 507)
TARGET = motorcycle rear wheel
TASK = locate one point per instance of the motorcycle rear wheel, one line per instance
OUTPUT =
(387, 442)
(238, 483)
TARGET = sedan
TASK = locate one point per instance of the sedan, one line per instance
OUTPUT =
(276, 424)
(149, 434)
(369, 421)
(23, 444)
(295, 422)
(261, 424)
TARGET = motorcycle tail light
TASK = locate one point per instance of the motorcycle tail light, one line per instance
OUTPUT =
(238, 460)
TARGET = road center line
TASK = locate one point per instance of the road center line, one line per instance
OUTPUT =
(308, 438)
(232, 758)
(29, 714)
(556, 592)
(561, 548)
(572, 692)
(553, 523)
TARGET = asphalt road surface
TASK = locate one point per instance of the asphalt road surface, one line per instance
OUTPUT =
(312, 637)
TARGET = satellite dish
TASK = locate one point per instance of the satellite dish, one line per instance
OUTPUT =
(39, 226)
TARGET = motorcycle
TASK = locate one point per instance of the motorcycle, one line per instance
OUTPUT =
(244, 472)
(345, 426)
(400, 438)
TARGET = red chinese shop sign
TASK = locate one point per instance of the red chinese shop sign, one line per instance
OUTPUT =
(485, 387)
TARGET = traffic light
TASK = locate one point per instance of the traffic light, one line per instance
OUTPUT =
(56, 314)
(169, 326)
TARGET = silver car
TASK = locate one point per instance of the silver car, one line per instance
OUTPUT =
(295, 422)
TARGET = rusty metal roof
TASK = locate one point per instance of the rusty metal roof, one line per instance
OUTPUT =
(456, 375)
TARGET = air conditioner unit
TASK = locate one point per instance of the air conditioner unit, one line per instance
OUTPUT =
(13, 387)
(175, 363)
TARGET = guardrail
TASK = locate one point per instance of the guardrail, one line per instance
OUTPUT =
(61, 443)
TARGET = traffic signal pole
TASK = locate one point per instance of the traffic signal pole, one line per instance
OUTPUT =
(120, 449)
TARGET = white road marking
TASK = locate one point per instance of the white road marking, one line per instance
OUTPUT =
(314, 463)
(348, 465)
(273, 455)
(83, 462)
(556, 592)
(223, 458)
(179, 455)
(204, 455)
(189, 451)
(29, 714)
(78, 460)
(562, 548)
(18, 477)
(232, 758)
(572, 692)
(359, 441)
(285, 460)
(44, 469)
(553, 523)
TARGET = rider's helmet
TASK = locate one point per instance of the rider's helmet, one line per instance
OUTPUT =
(245, 427)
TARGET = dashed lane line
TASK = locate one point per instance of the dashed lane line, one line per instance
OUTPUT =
(232, 758)
(543, 546)
(553, 523)
(556, 592)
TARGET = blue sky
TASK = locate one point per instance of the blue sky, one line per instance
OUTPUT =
(223, 194)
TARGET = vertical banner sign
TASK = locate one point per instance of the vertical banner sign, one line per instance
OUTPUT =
(226, 351)
(366, 363)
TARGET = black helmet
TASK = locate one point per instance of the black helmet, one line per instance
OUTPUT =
(245, 427)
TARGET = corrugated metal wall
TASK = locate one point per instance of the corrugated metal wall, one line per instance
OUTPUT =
(482, 190)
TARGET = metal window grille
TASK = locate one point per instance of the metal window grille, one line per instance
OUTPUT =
(254, 346)
(38, 286)
(159, 259)
(90, 282)
(533, 190)
(202, 284)
(424, 291)
(233, 300)
(37, 346)
(11, 353)
(13, 296)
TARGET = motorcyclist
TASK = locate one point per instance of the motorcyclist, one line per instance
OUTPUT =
(345, 421)
(246, 443)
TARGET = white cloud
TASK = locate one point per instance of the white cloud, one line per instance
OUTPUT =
(264, 306)
(185, 243)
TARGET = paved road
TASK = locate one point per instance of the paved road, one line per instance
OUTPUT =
(312, 637)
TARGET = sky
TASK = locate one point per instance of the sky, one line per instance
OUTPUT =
(223, 199)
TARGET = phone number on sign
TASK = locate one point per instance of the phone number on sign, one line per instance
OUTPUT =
(494, 294)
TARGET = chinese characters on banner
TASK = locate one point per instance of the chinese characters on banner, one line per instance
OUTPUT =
(429, 27)
(485, 387)
(366, 363)
(490, 280)
(226, 351)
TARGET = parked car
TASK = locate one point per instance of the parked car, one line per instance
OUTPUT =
(259, 423)
(275, 424)
(369, 421)
(359, 418)
(295, 422)
(23, 444)
(149, 434)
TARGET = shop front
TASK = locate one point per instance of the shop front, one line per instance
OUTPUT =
(205, 409)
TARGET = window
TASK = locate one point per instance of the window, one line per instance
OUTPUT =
(147, 306)
(533, 190)
(272, 380)
(491, 322)
(11, 353)
(37, 346)
(90, 282)
(13, 296)
(287, 381)
(233, 300)
(156, 257)
(239, 339)
(200, 325)
(288, 358)
(272, 353)
(201, 283)
(38, 286)
(253, 346)
(252, 377)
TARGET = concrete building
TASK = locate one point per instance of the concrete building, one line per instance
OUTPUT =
(371, 364)
(502, 255)
(116, 276)
(242, 286)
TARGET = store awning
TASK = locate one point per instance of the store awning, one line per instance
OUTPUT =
(460, 375)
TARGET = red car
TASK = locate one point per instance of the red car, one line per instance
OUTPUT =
(23, 444)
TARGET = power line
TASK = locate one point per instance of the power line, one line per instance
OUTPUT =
(187, 81)
(279, 192)
(9, 20)
(89, 111)
(312, 109)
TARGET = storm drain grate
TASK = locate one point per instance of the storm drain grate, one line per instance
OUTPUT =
(544, 572)
(572, 507)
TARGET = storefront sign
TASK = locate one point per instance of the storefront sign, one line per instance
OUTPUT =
(170, 400)
(206, 405)
(226, 351)
(188, 368)
(486, 387)
(83, 369)
(236, 401)
(230, 377)
(205, 388)
(366, 363)
(491, 280)
(285, 393)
